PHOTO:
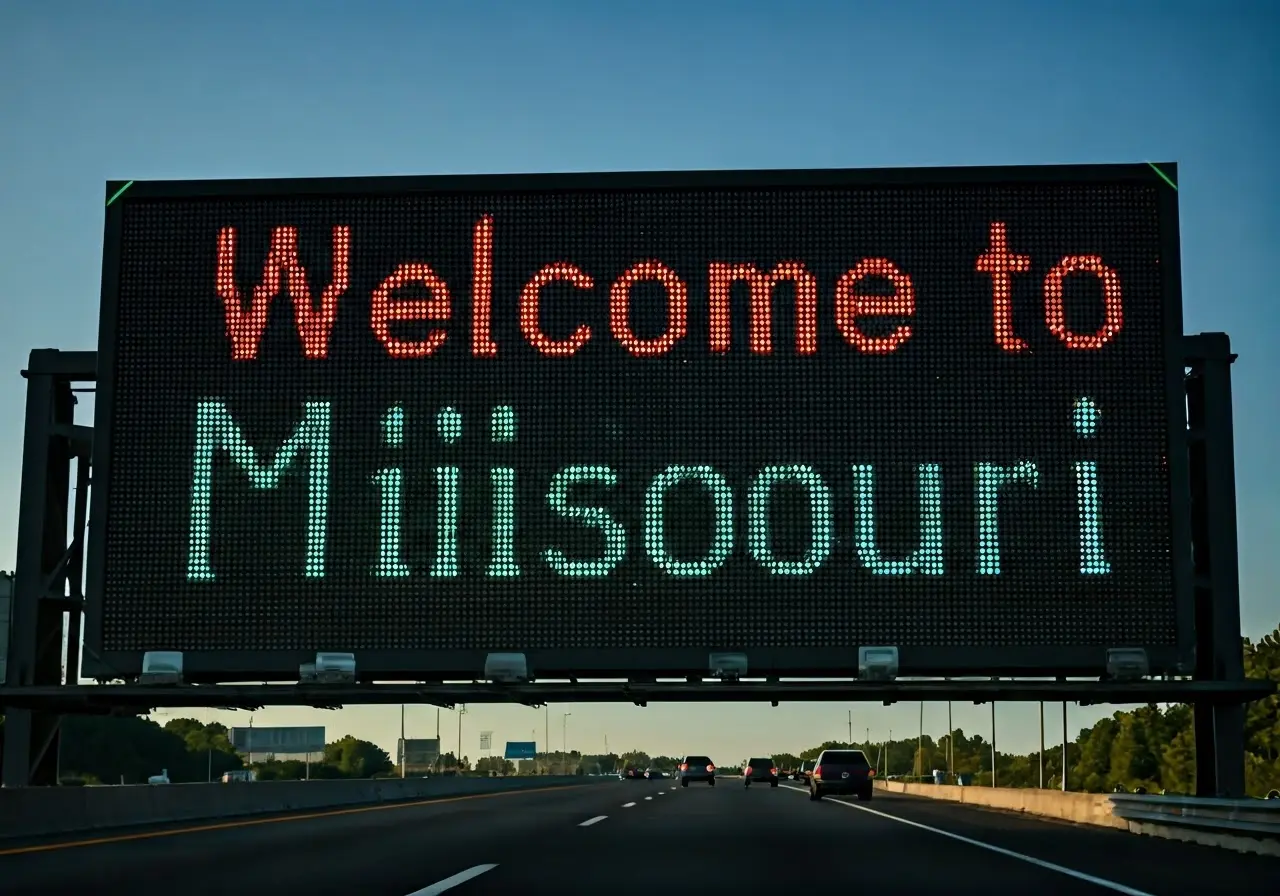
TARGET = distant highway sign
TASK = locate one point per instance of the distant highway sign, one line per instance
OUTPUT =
(521, 749)
(292, 741)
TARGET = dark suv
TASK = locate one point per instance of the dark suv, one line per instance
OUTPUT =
(760, 769)
(697, 768)
(841, 772)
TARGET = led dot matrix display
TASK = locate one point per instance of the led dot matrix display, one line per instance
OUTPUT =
(422, 419)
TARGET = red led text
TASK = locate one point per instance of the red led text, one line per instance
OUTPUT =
(1001, 264)
(854, 303)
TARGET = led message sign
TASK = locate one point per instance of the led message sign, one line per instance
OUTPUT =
(617, 421)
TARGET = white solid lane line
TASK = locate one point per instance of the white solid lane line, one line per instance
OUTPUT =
(590, 821)
(627, 805)
(450, 882)
(1031, 860)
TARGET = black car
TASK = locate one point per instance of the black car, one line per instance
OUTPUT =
(632, 774)
(802, 772)
(697, 768)
(841, 772)
(654, 774)
(760, 770)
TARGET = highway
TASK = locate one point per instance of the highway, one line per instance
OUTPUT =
(635, 838)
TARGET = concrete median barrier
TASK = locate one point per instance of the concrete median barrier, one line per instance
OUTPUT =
(1082, 808)
(27, 812)
(1243, 825)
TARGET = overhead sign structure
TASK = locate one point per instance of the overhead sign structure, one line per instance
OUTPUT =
(417, 751)
(521, 749)
(615, 422)
(486, 740)
(295, 740)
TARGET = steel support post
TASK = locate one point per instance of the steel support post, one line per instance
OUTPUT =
(1219, 726)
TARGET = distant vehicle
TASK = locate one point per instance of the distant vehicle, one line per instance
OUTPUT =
(697, 768)
(654, 774)
(631, 773)
(761, 770)
(162, 778)
(239, 775)
(802, 772)
(841, 772)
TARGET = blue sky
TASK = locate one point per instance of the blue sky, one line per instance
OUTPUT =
(138, 90)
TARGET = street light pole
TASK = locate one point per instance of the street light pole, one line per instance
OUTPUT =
(403, 745)
(462, 710)
(564, 738)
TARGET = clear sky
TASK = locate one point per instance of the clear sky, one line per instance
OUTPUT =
(91, 91)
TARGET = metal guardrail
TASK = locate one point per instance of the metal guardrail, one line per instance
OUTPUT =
(1249, 817)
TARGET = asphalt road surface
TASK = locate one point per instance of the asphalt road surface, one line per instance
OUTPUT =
(637, 838)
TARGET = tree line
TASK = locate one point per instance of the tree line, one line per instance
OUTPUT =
(1151, 747)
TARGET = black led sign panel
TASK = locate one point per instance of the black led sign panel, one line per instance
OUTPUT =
(620, 421)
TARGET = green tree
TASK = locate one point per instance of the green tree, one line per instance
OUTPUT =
(356, 758)
(634, 759)
(788, 761)
(1262, 717)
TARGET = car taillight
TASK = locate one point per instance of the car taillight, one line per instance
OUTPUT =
(684, 766)
(871, 773)
(711, 768)
(817, 771)
(774, 772)
(748, 771)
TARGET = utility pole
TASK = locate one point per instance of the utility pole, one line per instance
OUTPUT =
(438, 752)
(851, 727)
(546, 732)
(920, 745)
(951, 743)
(993, 743)
(887, 745)
(1064, 746)
(403, 745)
(1042, 745)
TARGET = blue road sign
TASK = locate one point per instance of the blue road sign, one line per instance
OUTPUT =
(521, 749)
